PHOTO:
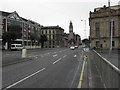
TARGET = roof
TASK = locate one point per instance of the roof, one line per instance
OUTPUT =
(104, 11)
(104, 8)
(116, 7)
(51, 27)
(5, 13)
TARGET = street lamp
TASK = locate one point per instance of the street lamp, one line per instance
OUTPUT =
(111, 27)
(85, 28)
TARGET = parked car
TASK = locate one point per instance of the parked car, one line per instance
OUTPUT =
(16, 47)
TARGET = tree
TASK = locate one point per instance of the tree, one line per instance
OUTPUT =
(43, 38)
(33, 37)
(9, 37)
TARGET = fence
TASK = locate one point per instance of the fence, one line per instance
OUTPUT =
(110, 74)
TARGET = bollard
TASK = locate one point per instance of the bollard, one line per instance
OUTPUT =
(24, 53)
(85, 58)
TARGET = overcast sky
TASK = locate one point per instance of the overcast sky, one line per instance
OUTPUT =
(56, 12)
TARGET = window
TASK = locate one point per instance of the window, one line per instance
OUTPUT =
(97, 29)
(53, 42)
(49, 37)
(97, 43)
(25, 30)
(49, 42)
(49, 32)
(113, 43)
(53, 36)
(41, 32)
(29, 31)
(53, 32)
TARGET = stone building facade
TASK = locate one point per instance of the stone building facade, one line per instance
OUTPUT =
(77, 39)
(105, 27)
(54, 36)
(1, 24)
(71, 39)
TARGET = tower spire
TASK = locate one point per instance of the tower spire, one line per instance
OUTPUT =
(70, 27)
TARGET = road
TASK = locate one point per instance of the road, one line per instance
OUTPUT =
(46, 68)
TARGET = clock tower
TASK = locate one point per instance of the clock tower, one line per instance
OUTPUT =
(70, 27)
(71, 34)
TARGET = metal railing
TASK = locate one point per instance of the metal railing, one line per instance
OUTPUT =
(110, 74)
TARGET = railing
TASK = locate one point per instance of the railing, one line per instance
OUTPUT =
(110, 74)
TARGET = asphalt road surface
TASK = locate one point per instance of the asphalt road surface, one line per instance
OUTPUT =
(46, 68)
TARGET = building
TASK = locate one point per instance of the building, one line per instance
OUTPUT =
(71, 36)
(54, 36)
(1, 23)
(66, 41)
(24, 28)
(104, 27)
(74, 39)
(71, 39)
(77, 39)
(29, 32)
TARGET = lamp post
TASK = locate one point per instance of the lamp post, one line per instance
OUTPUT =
(84, 28)
(111, 27)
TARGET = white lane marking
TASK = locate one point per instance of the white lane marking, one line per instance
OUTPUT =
(64, 56)
(25, 78)
(57, 60)
(76, 70)
(75, 56)
(55, 55)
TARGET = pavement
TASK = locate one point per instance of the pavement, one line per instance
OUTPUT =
(112, 56)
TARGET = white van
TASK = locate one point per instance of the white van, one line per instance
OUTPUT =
(16, 47)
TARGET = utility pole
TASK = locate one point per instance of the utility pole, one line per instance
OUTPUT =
(85, 28)
(111, 27)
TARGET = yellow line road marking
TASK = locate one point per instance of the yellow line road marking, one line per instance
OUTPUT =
(81, 76)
